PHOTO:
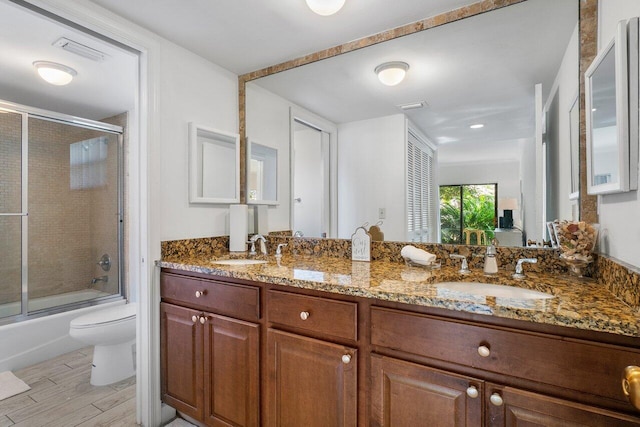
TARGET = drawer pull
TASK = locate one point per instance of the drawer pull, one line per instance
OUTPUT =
(346, 358)
(199, 293)
(496, 399)
(631, 385)
(472, 392)
(304, 315)
(203, 319)
(484, 351)
(194, 318)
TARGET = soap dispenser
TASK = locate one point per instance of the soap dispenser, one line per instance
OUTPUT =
(490, 261)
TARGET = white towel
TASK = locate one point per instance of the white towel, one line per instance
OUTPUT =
(418, 256)
(10, 385)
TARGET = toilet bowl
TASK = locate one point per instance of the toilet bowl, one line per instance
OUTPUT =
(112, 332)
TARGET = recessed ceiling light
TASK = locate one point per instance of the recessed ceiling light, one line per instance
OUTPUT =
(54, 73)
(477, 126)
(325, 7)
(594, 109)
(391, 73)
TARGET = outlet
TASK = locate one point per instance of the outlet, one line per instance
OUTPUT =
(382, 213)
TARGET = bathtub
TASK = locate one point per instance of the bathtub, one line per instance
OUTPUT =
(36, 340)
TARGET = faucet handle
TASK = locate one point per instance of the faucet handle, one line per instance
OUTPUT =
(519, 274)
(279, 249)
(464, 267)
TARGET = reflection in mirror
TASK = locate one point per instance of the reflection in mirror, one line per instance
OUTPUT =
(262, 174)
(214, 166)
(462, 73)
(574, 131)
(607, 114)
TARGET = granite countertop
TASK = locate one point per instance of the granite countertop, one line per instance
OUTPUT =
(582, 304)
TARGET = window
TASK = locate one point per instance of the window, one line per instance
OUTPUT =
(421, 191)
(468, 213)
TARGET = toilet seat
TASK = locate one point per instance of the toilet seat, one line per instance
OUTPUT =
(109, 316)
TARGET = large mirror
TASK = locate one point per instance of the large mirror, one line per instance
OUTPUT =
(262, 174)
(481, 70)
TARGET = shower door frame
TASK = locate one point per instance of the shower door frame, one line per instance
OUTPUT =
(27, 112)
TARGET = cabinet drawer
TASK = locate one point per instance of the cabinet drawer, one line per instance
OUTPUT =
(313, 314)
(554, 360)
(222, 298)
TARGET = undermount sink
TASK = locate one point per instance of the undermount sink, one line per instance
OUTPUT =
(488, 289)
(239, 261)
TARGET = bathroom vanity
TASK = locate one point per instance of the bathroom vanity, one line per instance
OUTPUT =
(321, 341)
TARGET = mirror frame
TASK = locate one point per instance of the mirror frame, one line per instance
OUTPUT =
(588, 27)
(623, 58)
(195, 162)
(271, 202)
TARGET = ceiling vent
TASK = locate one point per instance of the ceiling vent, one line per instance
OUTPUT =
(413, 105)
(80, 49)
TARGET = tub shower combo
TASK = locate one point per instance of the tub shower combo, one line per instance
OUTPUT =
(61, 222)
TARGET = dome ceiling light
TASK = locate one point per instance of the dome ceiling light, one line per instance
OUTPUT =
(391, 73)
(54, 73)
(325, 7)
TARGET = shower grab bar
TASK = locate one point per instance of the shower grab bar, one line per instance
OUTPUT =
(15, 214)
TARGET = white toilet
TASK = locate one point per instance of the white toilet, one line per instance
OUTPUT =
(113, 333)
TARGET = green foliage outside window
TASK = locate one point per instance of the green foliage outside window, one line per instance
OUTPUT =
(477, 210)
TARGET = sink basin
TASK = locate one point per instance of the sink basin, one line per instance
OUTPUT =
(239, 261)
(488, 289)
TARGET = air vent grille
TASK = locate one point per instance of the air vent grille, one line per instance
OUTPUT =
(413, 105)
(80, 49)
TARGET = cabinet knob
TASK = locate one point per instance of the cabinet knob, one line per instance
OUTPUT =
(346, 358)
(194, 318)
(484, 351)
(203, 319)
(496, 399)
(631, 385)
(472, 392)
(304, 315)
(199, 294)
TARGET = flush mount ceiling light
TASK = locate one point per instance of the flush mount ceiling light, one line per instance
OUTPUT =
(325, 7)
(54, 73)
(391, 73)
(477, 126)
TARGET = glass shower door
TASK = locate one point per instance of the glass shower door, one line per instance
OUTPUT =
(12, 212)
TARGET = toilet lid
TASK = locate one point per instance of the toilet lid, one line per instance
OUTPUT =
(115, 314)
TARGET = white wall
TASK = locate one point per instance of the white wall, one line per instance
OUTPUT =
(371, 175)
(268, 124)
(618, 213)
(192, 89)
(505, 173)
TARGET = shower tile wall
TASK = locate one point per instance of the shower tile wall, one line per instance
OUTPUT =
(10, 202)
(69, 230)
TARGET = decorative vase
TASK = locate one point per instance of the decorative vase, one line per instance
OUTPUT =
(576, 240)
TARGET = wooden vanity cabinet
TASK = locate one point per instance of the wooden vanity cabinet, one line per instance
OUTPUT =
(209, 361)
(569, 367)
(311, 382)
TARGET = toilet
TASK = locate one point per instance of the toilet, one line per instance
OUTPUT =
(112, 332)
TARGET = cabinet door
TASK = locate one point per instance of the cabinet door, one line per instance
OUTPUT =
(231, 372)
(407, 394)
(310, 383)
(181, 359)
(511, 407)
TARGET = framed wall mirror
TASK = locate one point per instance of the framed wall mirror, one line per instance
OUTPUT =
(611, 140)
(214, 165)
(262, 174)
(574, 147)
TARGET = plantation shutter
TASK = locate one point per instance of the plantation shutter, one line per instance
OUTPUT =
(420, 190)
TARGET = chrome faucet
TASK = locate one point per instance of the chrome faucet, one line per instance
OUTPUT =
(519, 274)
(464, 268)
(104, 279)
(263, 244)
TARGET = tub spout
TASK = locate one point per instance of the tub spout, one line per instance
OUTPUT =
(95, 280)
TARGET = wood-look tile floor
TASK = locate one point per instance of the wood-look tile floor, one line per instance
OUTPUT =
(61, 396)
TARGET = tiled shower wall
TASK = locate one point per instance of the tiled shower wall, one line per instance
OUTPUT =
(68, 229)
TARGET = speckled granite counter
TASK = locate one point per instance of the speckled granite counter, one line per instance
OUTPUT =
(577, 304)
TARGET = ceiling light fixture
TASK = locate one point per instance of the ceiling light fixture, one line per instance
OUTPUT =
(325, 7)
(392, 73)
(54, 73)
(477, 126)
